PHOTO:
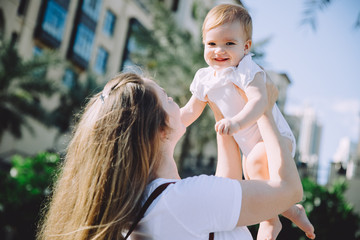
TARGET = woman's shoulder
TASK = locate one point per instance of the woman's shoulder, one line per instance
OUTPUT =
(210, 202)
(205, 184)
(198, 205)
(194, 182)
(200, 187)
(156, 183)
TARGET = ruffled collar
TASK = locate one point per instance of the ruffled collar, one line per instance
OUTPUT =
(226, 75)
(221, 78)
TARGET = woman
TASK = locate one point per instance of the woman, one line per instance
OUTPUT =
(122, 149)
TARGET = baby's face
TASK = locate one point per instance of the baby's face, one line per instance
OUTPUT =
(225, 45)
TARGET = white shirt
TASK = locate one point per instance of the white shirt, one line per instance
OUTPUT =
(192, 208)
(221, 89)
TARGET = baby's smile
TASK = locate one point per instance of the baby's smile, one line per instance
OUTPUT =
(221, 59)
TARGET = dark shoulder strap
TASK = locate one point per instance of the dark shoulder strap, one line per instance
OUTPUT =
(148, 202)
(211, 236)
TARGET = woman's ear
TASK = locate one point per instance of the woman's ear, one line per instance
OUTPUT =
(163, 134)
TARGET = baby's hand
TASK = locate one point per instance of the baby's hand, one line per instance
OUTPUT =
(227, 127)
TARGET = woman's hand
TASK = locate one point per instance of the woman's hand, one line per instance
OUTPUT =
(272, 93)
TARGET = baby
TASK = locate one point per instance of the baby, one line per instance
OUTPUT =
(235, 88)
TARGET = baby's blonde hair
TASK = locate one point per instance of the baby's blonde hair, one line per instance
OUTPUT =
(227, 13)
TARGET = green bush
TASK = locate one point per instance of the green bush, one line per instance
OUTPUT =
(23, 189)
(333, 218)
(28, 182)
(330, 213)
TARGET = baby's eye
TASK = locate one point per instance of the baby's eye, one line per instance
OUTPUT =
(230, 43)
(211, 44)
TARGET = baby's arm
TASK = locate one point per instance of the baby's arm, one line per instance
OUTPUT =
(254, 108)
(192, 110)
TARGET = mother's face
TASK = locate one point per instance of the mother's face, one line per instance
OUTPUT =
(171, 108)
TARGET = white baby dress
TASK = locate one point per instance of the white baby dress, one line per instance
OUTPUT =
(221, 90)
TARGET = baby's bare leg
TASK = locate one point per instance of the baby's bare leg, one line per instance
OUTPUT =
(255, 164)
(256, 167)
(296, 213)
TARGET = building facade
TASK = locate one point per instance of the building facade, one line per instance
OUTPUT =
(282, 81)
(345, 164)
(89, 35)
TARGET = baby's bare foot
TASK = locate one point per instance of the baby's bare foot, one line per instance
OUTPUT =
(298, 216)
(269, 230)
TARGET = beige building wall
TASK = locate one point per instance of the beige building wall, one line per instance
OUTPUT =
(282, 81)
(24, 26)
(353, 193)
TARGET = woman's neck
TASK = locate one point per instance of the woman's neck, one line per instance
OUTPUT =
(167, 167)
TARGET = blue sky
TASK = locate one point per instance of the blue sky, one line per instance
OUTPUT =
(323, 65)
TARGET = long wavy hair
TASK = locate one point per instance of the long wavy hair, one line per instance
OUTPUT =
(110, 159)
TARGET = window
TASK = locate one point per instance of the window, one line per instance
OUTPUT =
(175, 5)
(14, 38)
(92, 8)
(83, 33)
(54, 20)
(83, 42)
(133, 46)
(37, 51)
(69, 78)
(101, 60)
(39, 72)
(22, 7)
(2, 25)
(50, 27)
(109, 23)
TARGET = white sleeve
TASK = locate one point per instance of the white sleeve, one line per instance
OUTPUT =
(206, 204)
(284, 128)
(245, 72)
(197, 87)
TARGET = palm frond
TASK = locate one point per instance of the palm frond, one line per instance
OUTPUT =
(357, 22)
(311, 8)
(22, 85)
(10, 121)
(71, 102)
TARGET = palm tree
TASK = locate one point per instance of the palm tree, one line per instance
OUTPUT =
(71, 100)
(22, 85)
(313, 6)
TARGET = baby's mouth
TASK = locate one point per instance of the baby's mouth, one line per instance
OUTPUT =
(221, 59)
